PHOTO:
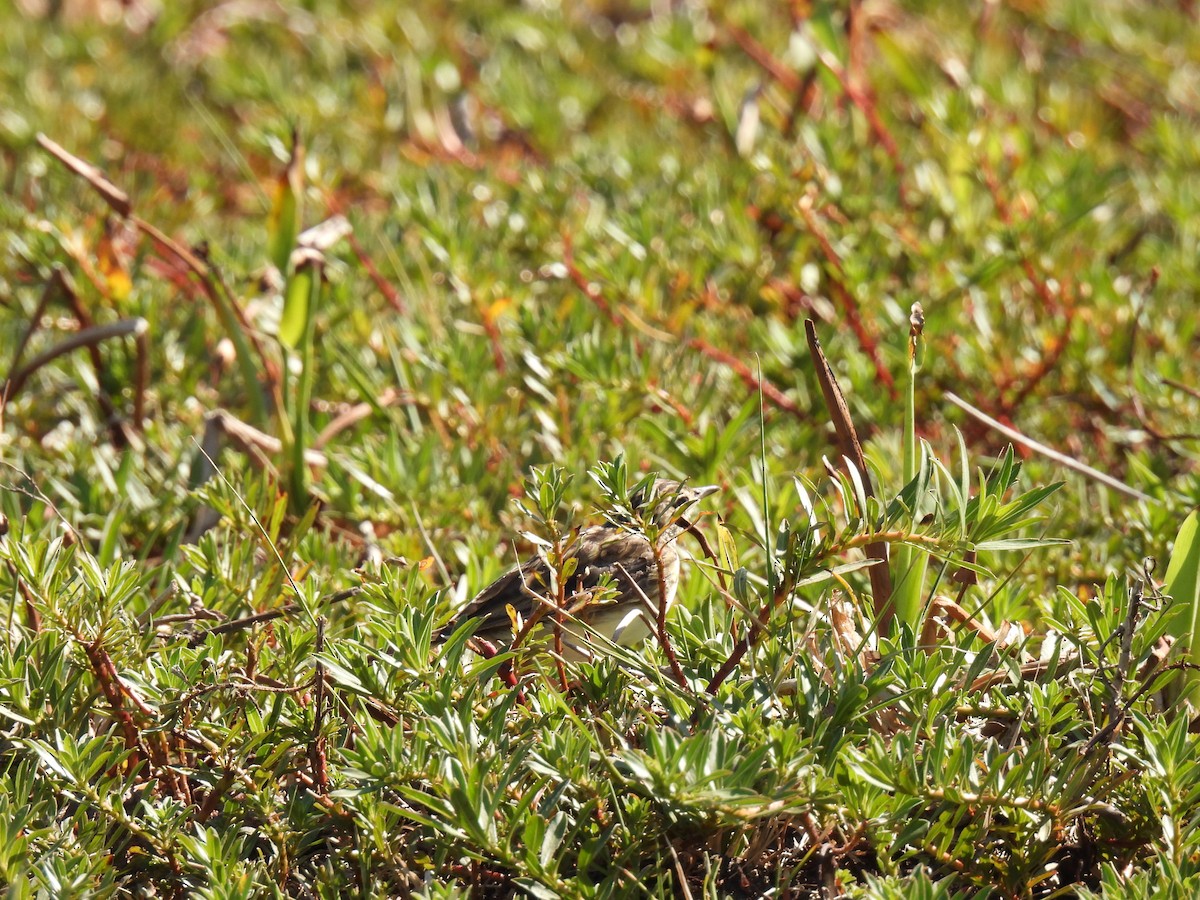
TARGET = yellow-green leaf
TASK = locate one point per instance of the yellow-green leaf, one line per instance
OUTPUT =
(284, 224)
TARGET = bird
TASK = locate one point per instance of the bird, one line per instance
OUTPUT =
(614, 589)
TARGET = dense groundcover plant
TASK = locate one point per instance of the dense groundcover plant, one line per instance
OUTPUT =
(315, 318)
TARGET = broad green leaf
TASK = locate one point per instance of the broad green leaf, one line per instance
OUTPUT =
(1183, 586)
(297, 306)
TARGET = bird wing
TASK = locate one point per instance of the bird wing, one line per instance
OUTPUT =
(606, 556)
(627, 563)
(515, 587)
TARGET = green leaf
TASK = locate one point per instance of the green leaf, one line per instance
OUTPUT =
(1183, 586)
(297, 306)
(1183, 571)
(536, 889)
(283, 227)
(1019, 544)
(10, 713)
(726, 549)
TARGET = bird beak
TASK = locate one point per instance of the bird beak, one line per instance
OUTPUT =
(704, 490)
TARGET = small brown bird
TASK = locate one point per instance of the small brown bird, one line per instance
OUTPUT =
(614, 590)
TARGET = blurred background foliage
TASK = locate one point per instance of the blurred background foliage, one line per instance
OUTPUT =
(581, 230)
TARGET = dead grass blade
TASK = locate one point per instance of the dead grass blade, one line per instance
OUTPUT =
(1049, 452)
(850, 449)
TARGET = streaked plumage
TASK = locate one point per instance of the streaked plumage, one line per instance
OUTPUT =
(615, 587)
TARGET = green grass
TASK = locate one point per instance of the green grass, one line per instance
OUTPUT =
(601, 263)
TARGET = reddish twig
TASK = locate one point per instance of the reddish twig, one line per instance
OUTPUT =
(1042, 367)
(382, 284)
(214, 288)
(660, 619)
(779, 72)
(794, 84)
(60, 282)
(866, 341)
(850, 452)
(268, 616)
(803, 100)
(1188, 389)
(251, 439)
(1049, 301)
(112, 195)
(796, 303)
(159, 750)
(865, 102)
(707, 550)
(742, 647)
(33, 617)
(560, 603)
(214, 796)
(682, 411)
(106, 675)
(589, 290)
(769, 390)
(856, 35)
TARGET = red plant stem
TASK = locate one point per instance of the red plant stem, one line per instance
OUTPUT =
(1050, 302)
(769, 391)
(660, 623)
(680, 410)
(390, 294)
(106, 674)
(214, 796)
(743, 646)
(32, 616)
(1043, 367)
(560, 603)
(856, 37)
(589, 290)
(866, 341)
(740, 648)
(780, 73)
(793, 84)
